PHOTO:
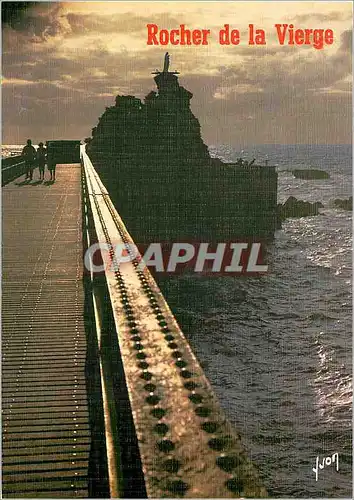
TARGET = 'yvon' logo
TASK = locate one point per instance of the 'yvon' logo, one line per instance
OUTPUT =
(207, 258)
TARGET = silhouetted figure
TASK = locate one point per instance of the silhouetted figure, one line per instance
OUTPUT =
(29, 155)
(51, 164)
(41, 159)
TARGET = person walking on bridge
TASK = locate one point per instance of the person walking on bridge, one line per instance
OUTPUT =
(29, 155)
(41, 159)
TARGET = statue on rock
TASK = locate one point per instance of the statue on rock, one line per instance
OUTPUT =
(163, 129)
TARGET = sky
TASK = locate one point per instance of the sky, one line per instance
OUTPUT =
(64, 63)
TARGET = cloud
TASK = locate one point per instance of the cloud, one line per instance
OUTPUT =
(128, 22)
(293, 98)
(293, 72)
(16, 81)
(346, 41)
(63, 67)
(13, 12)
(41, 22)
(323, 18)
(46, 21)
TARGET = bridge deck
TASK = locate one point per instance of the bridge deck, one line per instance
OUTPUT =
(46, 432)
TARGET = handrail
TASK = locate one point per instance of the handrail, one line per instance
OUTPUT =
(187, 447)
(12, 166)
(11, 172)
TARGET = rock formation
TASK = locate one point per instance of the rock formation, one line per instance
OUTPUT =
(160, 176)
(297, 208)
(163, 128)
(309, 174)
(346, 204)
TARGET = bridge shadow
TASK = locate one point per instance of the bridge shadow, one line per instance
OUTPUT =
(23, 183)
(98, 486)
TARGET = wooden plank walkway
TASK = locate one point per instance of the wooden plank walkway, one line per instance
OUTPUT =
(46, 431)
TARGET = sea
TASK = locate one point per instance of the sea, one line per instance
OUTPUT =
(11, 150)
(277, 348)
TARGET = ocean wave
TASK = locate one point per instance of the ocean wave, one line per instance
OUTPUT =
(277, 348)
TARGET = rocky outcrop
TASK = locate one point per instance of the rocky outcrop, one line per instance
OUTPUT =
(309, 174)
(151, 157)
(297, 208)
(162, 129)
(346, 204)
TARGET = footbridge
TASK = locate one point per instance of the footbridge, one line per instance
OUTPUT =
(102, 394)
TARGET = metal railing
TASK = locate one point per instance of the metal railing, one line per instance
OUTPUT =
(11, 168)
(184, 444)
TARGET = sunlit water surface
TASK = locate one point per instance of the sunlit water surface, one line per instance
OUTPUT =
(278, 348)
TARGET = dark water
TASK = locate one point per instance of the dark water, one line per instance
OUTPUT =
(278, 348)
